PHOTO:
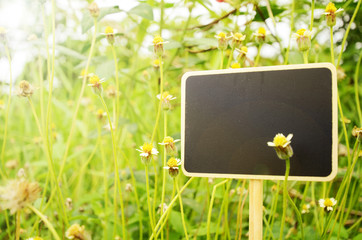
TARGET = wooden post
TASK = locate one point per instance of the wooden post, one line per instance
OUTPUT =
(255, 209)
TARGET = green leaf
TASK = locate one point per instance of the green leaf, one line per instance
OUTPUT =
(358, 237)
(176, 221)
(88, 21)
(143, 10)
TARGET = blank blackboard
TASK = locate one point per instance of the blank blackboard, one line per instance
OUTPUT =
(228, 116)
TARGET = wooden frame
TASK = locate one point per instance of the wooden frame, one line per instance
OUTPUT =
(334, 153)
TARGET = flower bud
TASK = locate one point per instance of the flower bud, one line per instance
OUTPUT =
(223, 41)
(357, 133)
(25, 89)
(94, 9)
(303, 39)
(158, 46)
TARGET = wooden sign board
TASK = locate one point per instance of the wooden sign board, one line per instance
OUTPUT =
(228, 116)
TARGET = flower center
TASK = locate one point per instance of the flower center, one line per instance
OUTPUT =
(222, 35)
(244, 49)
(158, 40)
(328, 202)
(331, 8)
(262, 31)
(301, 32)
(94, 80)
(172, 163)
(168, 140)
(280, 140)
(147, 147)
(238, 36)
(108, 30)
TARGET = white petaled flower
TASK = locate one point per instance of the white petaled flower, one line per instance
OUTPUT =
(158, 45)
(173, 166)
(282, 147)
(303, 38)
(170, 146)
(96, 83)
(147, 151)
(166, 100)
(305, 208)
(165, 207)
(327, 203)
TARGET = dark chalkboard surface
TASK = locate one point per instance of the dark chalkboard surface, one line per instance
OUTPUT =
(228, 116)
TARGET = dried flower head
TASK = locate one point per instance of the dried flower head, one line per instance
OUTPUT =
(109, 32)
(158, 45)
(166, 100)
(94, 9)
(25, 89)
(357, 133)
(172, 166)
(69, 203)
(17, 194)
(237, 39)
(305, 208)
(111, 91)
(12, 164)
(170, 146)
(162, 208)
(223, 40)
(281, 144)
(330, 12)
(327, 203)
(303, 37)
(147, 152)
(129, 187)
(96, 83)
(76, 232)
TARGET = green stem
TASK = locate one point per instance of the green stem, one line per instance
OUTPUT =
(332, 50)
(117, 183)
(221, 59)
(181, 209)
(6, 113)
(74, 118)
(312, 16)
(45, 220)
(164, 164)
(160, 221)
(347, 31)
(315, 209)
(231, 56)
(160, 103)
(210, 206)
(299, 216)
(291, 31)
(305, 57)
(356, 93)
(257, 58)
(149, 200)
(117, 86)
(285, 192)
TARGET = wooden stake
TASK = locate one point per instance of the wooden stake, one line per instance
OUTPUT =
(255, 209)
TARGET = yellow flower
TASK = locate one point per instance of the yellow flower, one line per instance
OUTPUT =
(172, 166)
(25, 89)
(96, 83)
(242, 52)
(147, 152)
(223, 41)
(170, 146)
(305, 208)
(35, 238)
(330, 13)
(156, 63)
(109, 34)
(281, 144)
(261, 31)
(17, 194)
(100, 114)
(260, 35)
(303, 37)
(357, 133)
(235, 65)
(158, 45)
(76, 232)
(327, 203)
(166, 98)
(238, 38)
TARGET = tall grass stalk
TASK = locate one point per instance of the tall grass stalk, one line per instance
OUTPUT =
(7, 52)
(164, 164)
(286, 59)
(181, 208)
(117, 183)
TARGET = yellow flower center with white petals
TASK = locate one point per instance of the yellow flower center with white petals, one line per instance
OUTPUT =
(238, 36)
(94, 80)
(279, 140)
(222, 35)
(165, 95)
(331, 8)
(301, 32)
(108, 30)
(157, 40)
(156, 62)
(172, 163)
(168, 140)
(147, 147)
(328, 202)
(261, 31)
(244, 49)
